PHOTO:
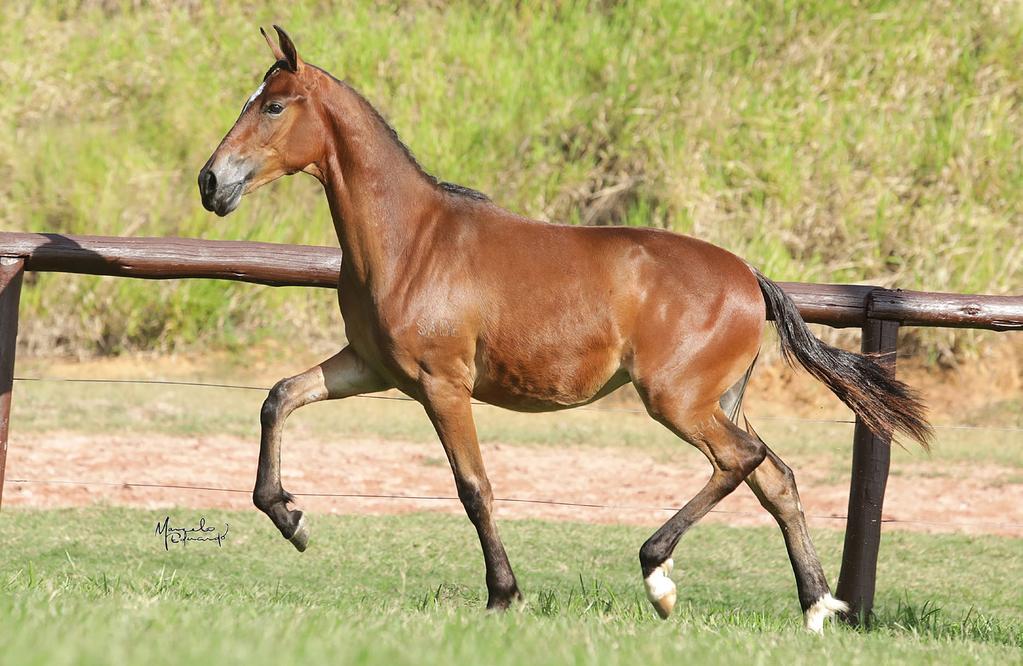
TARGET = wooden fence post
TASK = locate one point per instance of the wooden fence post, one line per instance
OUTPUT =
(870, 462)
(11, 271)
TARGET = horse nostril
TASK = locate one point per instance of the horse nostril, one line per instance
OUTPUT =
(207, 182)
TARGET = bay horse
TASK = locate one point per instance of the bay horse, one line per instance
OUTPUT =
(447, 297)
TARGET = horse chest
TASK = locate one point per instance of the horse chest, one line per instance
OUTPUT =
(366, 332)
(394, 341)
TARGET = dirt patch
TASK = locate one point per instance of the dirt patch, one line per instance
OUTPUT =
(982, 390)
(636, 486)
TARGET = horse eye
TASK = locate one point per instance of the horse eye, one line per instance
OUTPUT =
(273, 108)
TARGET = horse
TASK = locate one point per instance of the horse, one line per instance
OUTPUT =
(447, 297)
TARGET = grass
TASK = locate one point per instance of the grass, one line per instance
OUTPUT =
(823, 140)
(97, 586)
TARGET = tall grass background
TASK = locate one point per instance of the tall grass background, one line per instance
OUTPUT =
(822, 140)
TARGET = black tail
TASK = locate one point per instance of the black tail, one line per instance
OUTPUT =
(883, 403)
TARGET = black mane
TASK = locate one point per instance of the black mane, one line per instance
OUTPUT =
(450, 188)
(455, 188)
(280, 64)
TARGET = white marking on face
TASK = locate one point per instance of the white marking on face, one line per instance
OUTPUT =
(821, 610)
(254, 96)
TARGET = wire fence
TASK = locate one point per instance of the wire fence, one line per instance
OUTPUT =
(508, 500)
(958, 525)
(397, 398)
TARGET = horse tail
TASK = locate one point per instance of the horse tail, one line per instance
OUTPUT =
(883, 403)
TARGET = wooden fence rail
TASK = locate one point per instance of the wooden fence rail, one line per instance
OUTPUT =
(878, 312)
(837, 305)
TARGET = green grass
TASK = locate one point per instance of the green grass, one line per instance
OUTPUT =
(97, 586)
(823, 140)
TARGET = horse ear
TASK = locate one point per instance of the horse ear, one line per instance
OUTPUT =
(274, 49)
(288, 49)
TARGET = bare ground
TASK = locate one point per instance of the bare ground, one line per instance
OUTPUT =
(636, 486)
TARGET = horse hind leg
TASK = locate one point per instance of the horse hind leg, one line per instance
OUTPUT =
(340, 376)
(732, 453)
(775, 486)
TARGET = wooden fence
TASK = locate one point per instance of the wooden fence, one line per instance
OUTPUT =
(878, 312)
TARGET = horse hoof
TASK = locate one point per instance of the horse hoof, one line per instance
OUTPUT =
(506, 601)
(821, 610)
(660, 589)
(300, 539)
(665, 604)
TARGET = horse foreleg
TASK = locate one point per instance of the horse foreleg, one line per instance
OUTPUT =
(451, 413)
(340, 376)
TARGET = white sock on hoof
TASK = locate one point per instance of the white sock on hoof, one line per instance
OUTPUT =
(821, 610)
(660, 589)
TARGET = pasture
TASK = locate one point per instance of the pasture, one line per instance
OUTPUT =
(820, 140)
(96, 586)
(93, 584)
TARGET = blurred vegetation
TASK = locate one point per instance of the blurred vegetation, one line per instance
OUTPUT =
(823, 140)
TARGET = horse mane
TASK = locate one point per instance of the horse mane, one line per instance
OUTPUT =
(280, 64)
(450, 188)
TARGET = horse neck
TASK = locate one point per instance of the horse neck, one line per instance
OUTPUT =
(379, 199)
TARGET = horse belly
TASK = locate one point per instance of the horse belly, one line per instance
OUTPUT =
(548, 378)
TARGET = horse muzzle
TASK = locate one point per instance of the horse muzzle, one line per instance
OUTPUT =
(222, 192)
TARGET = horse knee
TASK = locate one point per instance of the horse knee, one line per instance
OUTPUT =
(476, 497)
(275, 404)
